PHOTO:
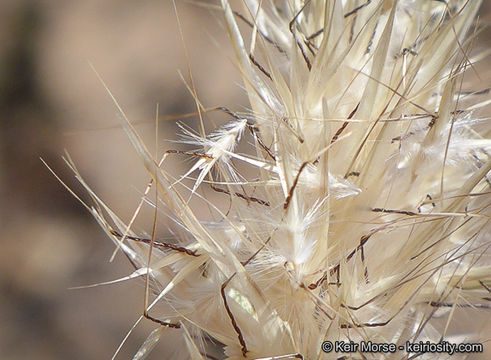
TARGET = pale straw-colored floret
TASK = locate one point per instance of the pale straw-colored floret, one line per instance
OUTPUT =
(217, 146)
(368, 214)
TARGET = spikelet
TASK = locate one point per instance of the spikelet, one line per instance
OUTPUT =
(365, 212)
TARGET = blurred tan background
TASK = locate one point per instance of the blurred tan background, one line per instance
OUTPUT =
(51, 100)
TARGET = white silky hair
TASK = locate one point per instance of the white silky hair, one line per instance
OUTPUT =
(369, 212)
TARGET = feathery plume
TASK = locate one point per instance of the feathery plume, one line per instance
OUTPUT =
(368, 214)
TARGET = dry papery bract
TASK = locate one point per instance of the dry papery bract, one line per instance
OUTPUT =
(358, 207)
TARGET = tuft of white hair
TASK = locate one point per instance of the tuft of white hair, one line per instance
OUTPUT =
(368, 214)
